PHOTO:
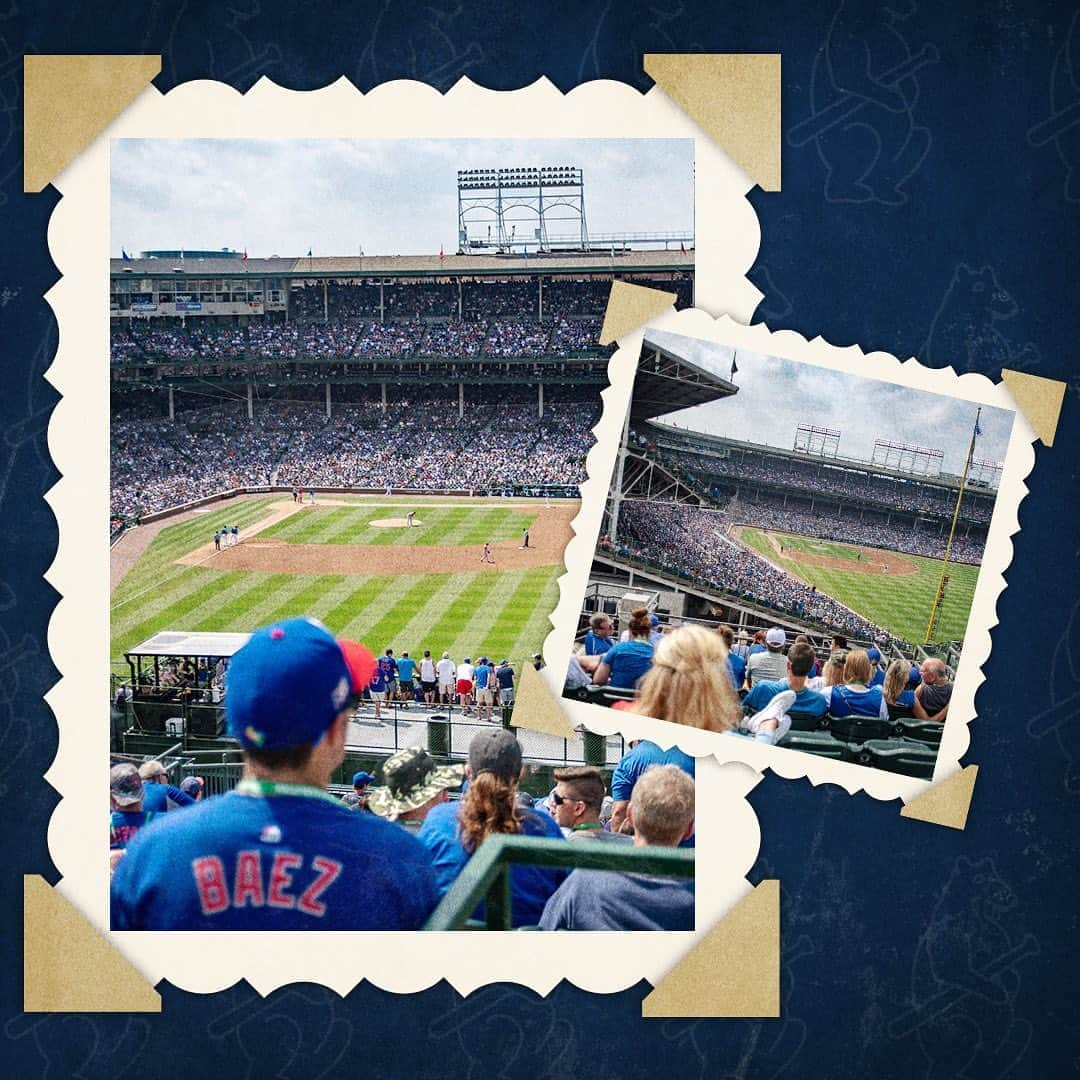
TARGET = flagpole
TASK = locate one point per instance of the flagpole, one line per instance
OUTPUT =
(939, 596)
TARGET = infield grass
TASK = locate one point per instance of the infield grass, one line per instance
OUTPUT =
(497, 614)
(899, 602)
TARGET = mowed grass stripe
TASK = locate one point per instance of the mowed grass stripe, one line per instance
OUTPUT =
(414, 632)
(378, 635)
(523, 614)
(536, 628)
(191, 608)
(235, 610)
(475, 591)
(365, 604)
(293, 597)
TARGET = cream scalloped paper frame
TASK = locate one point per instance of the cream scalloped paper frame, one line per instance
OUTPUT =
(792, 764)
(728, 836)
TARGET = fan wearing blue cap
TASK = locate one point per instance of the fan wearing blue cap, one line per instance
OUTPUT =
(279, 852)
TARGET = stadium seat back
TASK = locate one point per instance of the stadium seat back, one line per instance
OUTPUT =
(804, 721)
(899, 756)
(923, 731)
(817, 742)
(858, 729)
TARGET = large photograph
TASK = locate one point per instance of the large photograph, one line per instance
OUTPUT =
(345, 456)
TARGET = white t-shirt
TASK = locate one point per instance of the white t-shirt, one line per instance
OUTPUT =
(465, 671)
(427, 670)
(445, 669)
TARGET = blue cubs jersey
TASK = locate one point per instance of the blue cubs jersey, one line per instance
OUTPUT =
(292, 859)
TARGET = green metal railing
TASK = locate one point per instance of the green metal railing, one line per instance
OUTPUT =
(486, 876)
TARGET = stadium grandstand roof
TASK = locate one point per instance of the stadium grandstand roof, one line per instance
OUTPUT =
(666, 383)
(705, 443)
(590, 262)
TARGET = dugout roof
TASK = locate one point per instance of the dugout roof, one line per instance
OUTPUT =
(666, 383)
(410, 266)
(189, 643)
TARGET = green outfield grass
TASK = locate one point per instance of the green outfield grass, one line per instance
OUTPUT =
(467, 614)
(459, 525)
(899, 602)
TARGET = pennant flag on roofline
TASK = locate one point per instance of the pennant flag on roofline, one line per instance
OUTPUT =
(734, 366)
(309, 253)
(243, 258)
(124, 255)
(442, 256)
(978, 430)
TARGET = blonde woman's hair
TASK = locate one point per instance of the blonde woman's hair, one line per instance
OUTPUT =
(689, 683)
(896, 677)
(857, 667)
(834, 671)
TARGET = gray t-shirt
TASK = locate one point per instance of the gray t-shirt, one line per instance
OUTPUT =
(935, 697)
(606, 900)
(765, 666)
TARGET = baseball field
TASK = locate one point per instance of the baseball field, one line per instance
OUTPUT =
(355, 563)
(890, 588)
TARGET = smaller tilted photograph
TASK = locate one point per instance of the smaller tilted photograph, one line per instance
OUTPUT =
(789, 554)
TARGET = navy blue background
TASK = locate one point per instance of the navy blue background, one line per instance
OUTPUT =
(880, 914)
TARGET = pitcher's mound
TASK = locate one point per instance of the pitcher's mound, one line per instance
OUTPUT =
(393, 523)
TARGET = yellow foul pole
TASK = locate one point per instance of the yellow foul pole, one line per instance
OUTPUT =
(939, 596)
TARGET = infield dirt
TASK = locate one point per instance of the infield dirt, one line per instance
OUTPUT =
(548, 537)
(874, 560)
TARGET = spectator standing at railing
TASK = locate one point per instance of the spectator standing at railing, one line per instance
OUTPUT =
(280, 852)
(661, 811)
(428, 677)
(504, 677)
(452, 832)
(447, 673)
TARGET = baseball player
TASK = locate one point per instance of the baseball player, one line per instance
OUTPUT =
(279, 852)
(409, 518)
(486, 554)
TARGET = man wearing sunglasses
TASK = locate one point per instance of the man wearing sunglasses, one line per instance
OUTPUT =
(576, 802)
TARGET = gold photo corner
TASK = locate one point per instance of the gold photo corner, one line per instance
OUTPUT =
(733, 971)
(68, 101)
(68, 966)
(734, 98)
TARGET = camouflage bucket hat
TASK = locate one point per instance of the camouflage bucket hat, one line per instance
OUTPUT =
(410, 778)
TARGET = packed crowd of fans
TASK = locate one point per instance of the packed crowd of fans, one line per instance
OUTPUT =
(815, 477)
(691, 541)
(417, 441)
(344, 339)
(280, 853)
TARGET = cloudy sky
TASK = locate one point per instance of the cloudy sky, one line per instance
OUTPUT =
(282, 197)
(776, 395)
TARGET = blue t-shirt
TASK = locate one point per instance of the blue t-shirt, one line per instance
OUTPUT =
(406, 669)
(387, 667)
(300, 861)
(628, 660)
(879, 677)
(635, 761)
(906, 699)
(124, 825)
(482, 674)
(378, 681)
(596, 645)
(807, 702)
(737, 668)
(530, 886)
(756, 648)
(156, 797)
(847, 701)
